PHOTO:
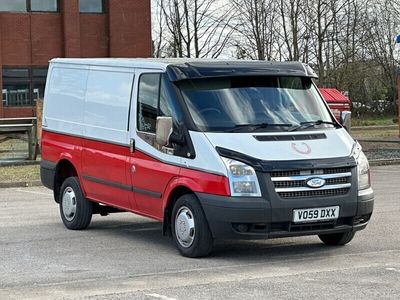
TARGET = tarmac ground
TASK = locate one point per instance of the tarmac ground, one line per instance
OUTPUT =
(124, 256)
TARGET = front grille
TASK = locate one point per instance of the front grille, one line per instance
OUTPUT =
(310, 227)
(293, 183)
(303, 183)
(316, 193)
(311, 172)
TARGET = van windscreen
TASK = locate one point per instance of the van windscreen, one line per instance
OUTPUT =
(238, 103)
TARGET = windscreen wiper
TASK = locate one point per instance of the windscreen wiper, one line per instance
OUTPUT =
(305, 125)
(256, 126)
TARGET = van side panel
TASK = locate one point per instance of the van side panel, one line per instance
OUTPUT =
(104, 173)
(56, 146)
(105, 147)
(154, 180)
(205, 182)
(65, 99)
(149, 178)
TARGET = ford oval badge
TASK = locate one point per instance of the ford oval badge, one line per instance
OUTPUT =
(316, 182)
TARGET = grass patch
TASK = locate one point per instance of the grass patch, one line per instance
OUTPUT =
(20, 173)
(373, 121)
(375, 133)
(13, 148)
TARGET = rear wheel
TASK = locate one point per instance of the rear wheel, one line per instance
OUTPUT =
(75, 210)
(337, 239)
(190, 229)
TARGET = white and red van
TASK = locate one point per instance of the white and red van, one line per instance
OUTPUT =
(213, 149)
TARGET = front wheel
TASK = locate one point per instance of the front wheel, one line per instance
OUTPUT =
(190, 229)
(75, 210)
(337, 239)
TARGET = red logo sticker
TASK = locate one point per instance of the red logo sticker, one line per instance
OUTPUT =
(301, 148)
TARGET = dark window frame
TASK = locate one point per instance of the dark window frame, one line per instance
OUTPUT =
(30, 80)
(103, 10)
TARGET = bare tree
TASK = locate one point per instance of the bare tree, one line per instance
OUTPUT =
(196, 28)
(255, 27)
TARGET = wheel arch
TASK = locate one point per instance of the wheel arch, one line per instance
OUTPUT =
(64, 169)
(175, 193)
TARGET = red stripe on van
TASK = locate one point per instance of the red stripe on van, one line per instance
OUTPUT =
(136, 182)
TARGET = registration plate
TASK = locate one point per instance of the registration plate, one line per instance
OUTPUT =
(315, 214)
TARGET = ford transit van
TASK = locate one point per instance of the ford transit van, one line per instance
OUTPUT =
(212, 149)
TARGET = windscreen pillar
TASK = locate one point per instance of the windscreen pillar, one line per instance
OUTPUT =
(71, 27)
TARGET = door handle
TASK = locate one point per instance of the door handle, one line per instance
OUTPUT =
(132, 145)
(133, 169)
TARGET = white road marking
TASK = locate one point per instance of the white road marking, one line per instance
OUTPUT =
(33, 192)
(158, 296)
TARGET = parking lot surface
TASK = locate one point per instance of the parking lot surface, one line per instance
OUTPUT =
(124, 256)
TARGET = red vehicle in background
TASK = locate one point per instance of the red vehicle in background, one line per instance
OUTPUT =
(337, 102)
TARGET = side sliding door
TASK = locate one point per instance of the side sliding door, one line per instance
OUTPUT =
(106, 139)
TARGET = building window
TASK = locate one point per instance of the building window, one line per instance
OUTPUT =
(13, 5)
(44, 5)
(91, 6)
(38, 82)
(29, 5)
(23, 86)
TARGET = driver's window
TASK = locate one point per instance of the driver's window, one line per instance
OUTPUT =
(155, 98)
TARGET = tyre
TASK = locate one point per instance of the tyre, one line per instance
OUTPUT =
(75, 210)
(337, 239)
(190, 230)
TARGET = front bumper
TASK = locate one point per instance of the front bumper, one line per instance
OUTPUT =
(254, 218)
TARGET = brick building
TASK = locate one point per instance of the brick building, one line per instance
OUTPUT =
(34, 31)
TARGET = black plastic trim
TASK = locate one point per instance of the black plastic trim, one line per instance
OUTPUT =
(223, 213)
(269, 166)
(146, 192)
(297, 137)
(195, 70)
(122, 186)
(107, 182)
(47, 173)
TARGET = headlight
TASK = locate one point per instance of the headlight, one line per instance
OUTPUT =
(364, 180)
(242, 178)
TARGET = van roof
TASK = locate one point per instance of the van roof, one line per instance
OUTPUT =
(184, 68)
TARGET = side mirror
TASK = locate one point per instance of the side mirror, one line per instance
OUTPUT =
(345, 119)
(163, 130)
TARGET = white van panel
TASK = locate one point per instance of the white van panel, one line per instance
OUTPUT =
(337, 144)
(146, 148)
(65, 99)
(207, 159)
(107, 103)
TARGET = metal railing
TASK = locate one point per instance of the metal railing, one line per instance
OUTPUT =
(15, 127)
